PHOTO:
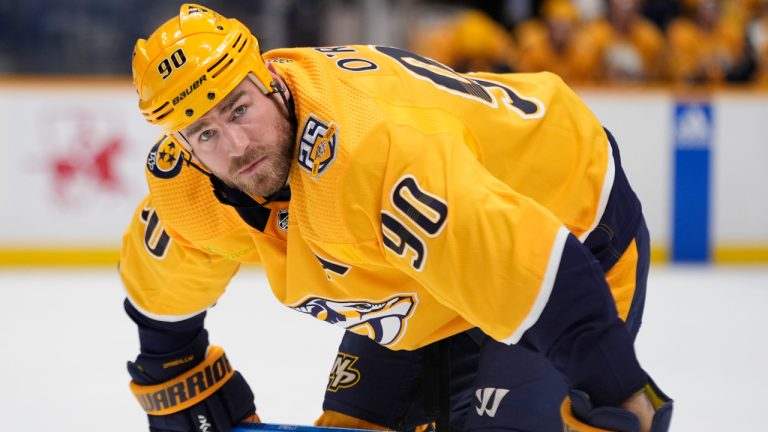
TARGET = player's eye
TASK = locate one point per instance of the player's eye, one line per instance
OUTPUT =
(239, 111)
(205, 135)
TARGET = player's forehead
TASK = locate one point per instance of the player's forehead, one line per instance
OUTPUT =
(244, 88)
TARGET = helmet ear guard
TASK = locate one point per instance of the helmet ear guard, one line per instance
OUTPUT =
(190, 63)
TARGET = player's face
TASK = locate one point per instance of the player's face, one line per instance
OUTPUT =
(246, 140)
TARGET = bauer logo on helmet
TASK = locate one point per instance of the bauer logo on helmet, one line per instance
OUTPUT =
(197, 50)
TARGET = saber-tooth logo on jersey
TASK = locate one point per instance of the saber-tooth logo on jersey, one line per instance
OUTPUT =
(317, 149)
(384, 321)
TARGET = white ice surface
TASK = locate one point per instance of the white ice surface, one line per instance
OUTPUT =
(64, 341)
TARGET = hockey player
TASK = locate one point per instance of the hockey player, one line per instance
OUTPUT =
(474, 228)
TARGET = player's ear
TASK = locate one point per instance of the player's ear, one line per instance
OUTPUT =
(278, 79)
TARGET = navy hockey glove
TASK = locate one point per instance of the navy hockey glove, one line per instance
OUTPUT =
(193, 389)
(580, 416)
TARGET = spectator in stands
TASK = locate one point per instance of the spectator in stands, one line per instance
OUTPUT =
(661, 12)
(708, 46)
(757, 32)
(556, 43)
(630, 47)
(469, 41)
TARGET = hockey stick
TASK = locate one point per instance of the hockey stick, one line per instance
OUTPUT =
(246, 427)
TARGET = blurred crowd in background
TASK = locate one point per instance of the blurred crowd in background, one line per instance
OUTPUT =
(609, 41)
(585, 41)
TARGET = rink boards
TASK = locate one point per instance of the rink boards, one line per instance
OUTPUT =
(73, 152)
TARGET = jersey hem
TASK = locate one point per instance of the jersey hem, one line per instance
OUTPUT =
(160, 317)
(545, 291)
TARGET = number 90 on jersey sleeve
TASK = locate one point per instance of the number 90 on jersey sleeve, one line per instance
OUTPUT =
(419, 213)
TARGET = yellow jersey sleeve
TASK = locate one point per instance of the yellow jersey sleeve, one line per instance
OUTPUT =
(165, 277)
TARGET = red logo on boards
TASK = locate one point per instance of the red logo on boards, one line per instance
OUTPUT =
(82, 152)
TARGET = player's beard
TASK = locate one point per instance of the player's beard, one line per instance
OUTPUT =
(272, 174)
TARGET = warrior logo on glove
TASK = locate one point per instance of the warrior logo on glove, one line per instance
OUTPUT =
(187, 389)
(384, 321)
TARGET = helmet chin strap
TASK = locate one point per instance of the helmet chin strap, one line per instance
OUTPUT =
(287, 103)
(280, 90)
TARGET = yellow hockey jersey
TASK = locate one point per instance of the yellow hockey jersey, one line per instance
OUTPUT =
(423, 202)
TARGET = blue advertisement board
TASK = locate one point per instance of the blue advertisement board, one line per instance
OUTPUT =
(692, 182)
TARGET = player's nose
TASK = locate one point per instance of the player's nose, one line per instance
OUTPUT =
(237, 140)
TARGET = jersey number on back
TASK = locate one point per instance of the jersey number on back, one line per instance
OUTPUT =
(422, 210)
(442, 77)
(448, 80)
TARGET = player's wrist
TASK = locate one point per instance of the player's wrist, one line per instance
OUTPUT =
(648, 410)
(155, 368)
(640, 405)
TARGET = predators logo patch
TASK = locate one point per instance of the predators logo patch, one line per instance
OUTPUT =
(343, 374)
(165, 159)
(384, 321)
(317, 149)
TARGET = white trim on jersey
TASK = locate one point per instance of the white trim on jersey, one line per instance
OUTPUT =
(164, 318)
(610, 173)
(547, 283)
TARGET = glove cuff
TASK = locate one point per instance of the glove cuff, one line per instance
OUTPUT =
(570, 422)
(188, 389)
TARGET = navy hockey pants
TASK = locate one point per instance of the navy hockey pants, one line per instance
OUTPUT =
(493, 386)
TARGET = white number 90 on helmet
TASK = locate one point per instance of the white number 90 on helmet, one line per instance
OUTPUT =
(190, 63)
